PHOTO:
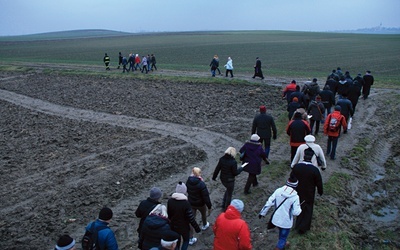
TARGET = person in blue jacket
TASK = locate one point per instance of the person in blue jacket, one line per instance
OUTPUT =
(105, 238)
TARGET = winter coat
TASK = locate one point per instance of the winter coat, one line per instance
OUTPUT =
(231, 231)
(262, 124)
(227, 165)
(300, 96)
(198, 194)
(214, 64)
(254, 153)
(283, 217)
(289, 89)
(309, 179)
(137, 59)
(153, 229)
(106, 237)
(144, 61)
(317, 150)
(144, 209)
(354, 93)
(327, 98)
(340, 118)
(333, 85)
(180, 214)
(317, 110)
(346, 107)
(229, 65)
(292, 107)
(343, 87)
(297, 129)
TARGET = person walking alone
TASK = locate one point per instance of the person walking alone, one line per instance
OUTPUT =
(106, 60)
(257, 69)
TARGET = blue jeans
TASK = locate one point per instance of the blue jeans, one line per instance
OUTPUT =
(332, 144)
(283, 234)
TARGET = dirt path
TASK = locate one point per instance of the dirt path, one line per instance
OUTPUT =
(73, 144)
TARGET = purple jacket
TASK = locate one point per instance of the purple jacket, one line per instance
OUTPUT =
(254, 154)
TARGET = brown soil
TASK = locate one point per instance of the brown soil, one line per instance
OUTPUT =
(72, 144)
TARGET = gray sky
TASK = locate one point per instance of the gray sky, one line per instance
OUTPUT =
(19, 17)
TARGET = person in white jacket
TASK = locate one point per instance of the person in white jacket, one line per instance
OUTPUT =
(309, 142)
(288, 201)
(229, 67)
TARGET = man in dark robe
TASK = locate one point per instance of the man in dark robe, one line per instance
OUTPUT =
(257, 69)
(309, 178)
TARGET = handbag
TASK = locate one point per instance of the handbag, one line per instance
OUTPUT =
(319, 161)
(271, 225)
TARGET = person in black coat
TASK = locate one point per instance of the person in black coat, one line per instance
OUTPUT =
(328, 99)
(181, 216)
(333, 84)
(368, 82)
(297, 129)
(346, 107)
(263, 124)
(227, 165)
(145, 207)
(292, 107)
(300, 96)
(154, 227)
(343, 86)
(257, 69)
(198, 196)
(355, 91)
(309, 179)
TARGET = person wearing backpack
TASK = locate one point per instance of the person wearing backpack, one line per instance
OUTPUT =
(99, 233)
(332, 128)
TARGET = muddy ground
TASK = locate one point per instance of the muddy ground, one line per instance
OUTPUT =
(72, 144)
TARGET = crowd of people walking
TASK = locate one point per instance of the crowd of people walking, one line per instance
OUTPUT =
(174, 226)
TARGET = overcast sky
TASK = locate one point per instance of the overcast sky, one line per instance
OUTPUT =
(19, 17)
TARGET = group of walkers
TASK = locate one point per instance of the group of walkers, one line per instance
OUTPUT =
(173, 225)
(214, 64)
(133, 62)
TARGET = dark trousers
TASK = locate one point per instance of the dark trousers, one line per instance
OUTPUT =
(230, 186)
(303, 221)
(331, 148)
(153, 65)
(251, 180)
(317, 123)
(229, 71)
(293, 150)
(267, 143)
(144, 68)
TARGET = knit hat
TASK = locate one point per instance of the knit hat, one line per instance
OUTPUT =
(181, 188)
(254, 137)
(155, 193)
(295, 99)
(105, 214)
(238, 204)
(65, 242)
(292, 181)
(169, 237)
(309, 138)
(338, 108)
(263, 109)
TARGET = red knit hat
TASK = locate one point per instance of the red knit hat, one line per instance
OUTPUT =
(263, 109)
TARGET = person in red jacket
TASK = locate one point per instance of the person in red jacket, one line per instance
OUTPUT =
(332, 128)
(289, 89)
(230, 230)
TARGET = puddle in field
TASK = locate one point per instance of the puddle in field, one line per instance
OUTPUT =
(386, 214)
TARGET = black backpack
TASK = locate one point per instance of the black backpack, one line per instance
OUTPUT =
(89, 240)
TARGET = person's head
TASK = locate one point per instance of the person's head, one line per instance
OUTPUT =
(229, 58)
(105, 214)
(105, 54)
(160, 210)
(368, 72)
(338, 68)
(155, 193)
(292, 181)
(294, 82)
(254, 138)
(238, 204)
(297, 115)
(169, 239)
(65, 242)
(295, 99)
(196, 171)
(338, 108)
(318, 98)
(315, 80)
(181, 188)
(230, 151)
(297, 88)
(263, 109)
(309, 139)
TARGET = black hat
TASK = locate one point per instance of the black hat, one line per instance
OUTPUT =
(65, 242)
(170, 235)
(105, 214)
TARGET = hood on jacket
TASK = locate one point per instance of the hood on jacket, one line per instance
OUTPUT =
(193, 180)
(288, 192)
(232, 213)
(155, 221)
(179, 196)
